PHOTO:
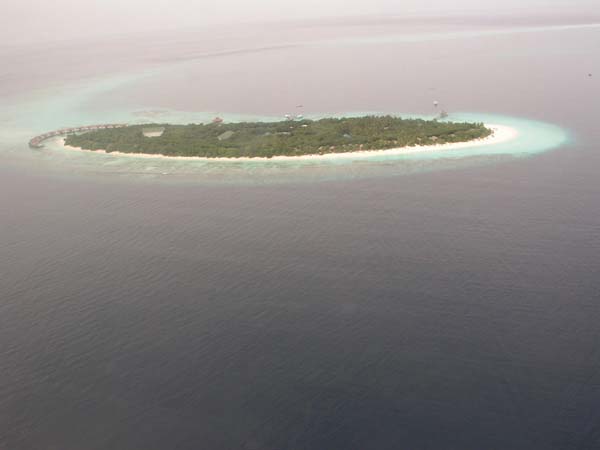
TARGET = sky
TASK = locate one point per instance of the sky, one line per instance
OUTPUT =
(44, 20)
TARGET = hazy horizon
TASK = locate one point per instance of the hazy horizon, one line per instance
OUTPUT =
(36, 21)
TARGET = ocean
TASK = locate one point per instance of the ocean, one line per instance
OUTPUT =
(439, 301)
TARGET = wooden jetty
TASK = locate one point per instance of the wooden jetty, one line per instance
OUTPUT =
(37, 141)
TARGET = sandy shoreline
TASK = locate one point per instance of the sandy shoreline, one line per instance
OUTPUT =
(500, 134)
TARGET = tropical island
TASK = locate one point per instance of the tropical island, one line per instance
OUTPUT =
(284, 138)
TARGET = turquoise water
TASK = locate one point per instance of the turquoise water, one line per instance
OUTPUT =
(80, 103)
(65, 107)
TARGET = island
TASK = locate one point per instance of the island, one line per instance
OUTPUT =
(284, 138)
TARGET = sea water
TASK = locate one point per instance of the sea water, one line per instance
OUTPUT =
(438, 300)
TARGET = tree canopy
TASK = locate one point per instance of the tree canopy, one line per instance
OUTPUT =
(289, 138)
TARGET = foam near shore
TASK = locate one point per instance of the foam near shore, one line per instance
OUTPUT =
(500, 134)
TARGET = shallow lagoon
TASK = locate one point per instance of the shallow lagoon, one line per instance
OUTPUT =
(129, 96)
(65, 110)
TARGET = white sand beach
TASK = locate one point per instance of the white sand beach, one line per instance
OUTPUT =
(500, 134)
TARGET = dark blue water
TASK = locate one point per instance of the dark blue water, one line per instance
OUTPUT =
(450, 309)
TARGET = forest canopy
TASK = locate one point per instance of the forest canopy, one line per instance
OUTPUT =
(285, 138)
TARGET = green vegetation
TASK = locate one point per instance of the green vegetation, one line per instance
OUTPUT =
(290, 138)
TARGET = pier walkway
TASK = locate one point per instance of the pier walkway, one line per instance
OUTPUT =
(37, 141)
